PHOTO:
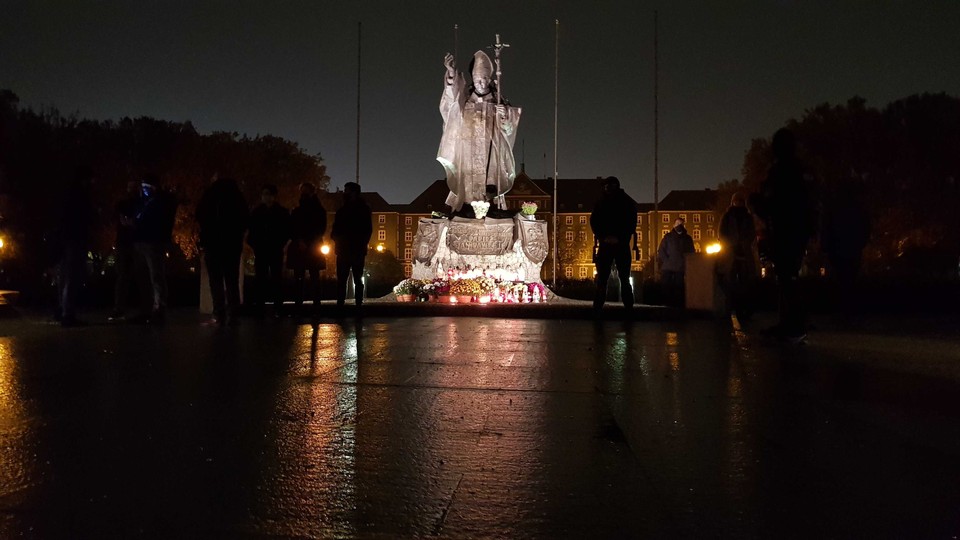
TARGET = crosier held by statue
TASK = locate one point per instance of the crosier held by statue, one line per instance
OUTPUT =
(479, 130)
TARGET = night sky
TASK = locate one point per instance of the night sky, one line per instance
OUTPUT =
(730, 72)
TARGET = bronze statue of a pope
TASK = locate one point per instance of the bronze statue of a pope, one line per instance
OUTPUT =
(479, 130)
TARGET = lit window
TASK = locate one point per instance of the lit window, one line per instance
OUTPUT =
(666, 218)
(382, 218)
(381, 234)
(583, 272)
(663, 233)
(569, 236)
(569, 220)
(407, 236)
(710, 233)
(639, 235)
(583, 220)
(408, 270)
(696, 218)
(640, 253)
(408, 220)
(583, 236)
(407, 254)
(709, 218)
(696, 234)
(568, 272)
(696, 246)
(683, 217)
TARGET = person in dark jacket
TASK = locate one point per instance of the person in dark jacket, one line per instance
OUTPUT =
(738, 235)
(352, 228)
(124, 255)
(222, 215)
(269, 233)
(77, 218)
(846, 231)
(785, 204)
(308, 224)
(152, 234)
(672, 256)
(613, 222)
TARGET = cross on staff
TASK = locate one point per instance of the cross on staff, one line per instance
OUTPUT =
(497, 47)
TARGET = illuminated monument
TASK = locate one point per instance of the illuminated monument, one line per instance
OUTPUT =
(476, 152)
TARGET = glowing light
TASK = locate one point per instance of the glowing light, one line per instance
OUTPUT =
(379, 248)
(713, 248)
(1, 242)
(325, 249)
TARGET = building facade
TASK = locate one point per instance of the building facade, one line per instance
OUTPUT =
(395, 225)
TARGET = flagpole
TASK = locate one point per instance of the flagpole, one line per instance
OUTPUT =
(359, 43)
(656, 140)
(556, 108)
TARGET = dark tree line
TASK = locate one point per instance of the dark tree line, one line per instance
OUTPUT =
(903, 160)
(39, 151)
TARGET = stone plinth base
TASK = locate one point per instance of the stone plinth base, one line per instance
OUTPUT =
(508, 249)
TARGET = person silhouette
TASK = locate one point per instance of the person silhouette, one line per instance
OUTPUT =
(785, 204)
(352, 229)
(613, 222)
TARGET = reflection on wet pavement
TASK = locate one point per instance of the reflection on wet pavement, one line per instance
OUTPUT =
(469, 427)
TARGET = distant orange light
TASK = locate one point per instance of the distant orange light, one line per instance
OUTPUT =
(379, 248)
(325, 249)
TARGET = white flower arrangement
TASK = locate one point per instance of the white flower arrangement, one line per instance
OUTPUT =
(480, 208)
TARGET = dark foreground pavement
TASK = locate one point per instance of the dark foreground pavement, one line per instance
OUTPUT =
(466, 427)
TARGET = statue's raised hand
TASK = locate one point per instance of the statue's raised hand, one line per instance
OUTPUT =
(448, 61)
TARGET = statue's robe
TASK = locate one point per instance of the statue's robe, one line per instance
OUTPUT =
(476, 149)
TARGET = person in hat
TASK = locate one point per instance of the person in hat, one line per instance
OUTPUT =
(476, 158)
(152, 235)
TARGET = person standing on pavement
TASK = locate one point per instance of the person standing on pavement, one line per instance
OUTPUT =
(222, 215)
(269, 232)
(352, 229)
(785, 204)
(738, 235)
(613, 222)
(123, 251)
(152, 234)
(308, 224)
(77, 217)
(672, 256)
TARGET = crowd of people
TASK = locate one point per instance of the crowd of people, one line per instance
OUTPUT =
(145, 220)
(775, 224)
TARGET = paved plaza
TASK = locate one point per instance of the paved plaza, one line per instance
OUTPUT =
(478, 427)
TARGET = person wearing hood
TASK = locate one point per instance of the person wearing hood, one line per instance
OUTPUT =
(672, 255)
(613, 222)
(308, 223)
(738, 235)
(222, 214)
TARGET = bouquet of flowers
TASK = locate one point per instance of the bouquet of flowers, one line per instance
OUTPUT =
(480, 208)
(408, 286)
(528, 208)
(466, 287)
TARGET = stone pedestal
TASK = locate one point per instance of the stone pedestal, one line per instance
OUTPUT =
(512, 249)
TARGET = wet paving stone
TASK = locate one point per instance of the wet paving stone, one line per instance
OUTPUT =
(470, 427)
